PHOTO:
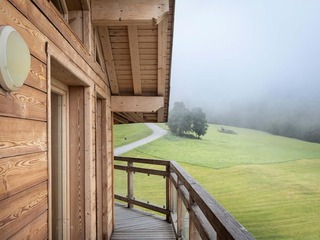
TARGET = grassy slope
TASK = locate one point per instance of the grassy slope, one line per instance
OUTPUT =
(270, 184)
(132, 132)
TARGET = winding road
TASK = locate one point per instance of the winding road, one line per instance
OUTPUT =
(158, 132)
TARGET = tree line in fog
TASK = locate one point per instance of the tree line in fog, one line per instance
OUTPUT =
(295, 121)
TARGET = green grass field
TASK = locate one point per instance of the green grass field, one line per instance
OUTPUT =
(270, 184)
(128, 133)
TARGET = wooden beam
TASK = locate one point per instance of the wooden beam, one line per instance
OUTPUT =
(135, 59)
(136, 104)
(108, 56)
(126, 12)
(160, 114)
(162, 55)
(162, 61)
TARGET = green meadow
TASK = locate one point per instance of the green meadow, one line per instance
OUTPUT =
(270, 184)
(128, 133)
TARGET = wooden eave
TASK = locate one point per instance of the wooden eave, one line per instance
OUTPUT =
(136, 38)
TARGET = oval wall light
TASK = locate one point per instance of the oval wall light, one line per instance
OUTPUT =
(14, 59)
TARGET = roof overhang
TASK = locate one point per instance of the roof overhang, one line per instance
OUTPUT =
(136, 39)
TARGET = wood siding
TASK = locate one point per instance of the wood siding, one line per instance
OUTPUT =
(25, 126)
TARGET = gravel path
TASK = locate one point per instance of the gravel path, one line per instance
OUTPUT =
(158, 132)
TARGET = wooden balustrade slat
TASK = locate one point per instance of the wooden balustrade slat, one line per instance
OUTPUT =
(174, 179)
(184, 194)
(194, 227)
(179, 215)
(203, 226)
(174, 222)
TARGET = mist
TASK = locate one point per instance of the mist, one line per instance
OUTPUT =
(249, 63)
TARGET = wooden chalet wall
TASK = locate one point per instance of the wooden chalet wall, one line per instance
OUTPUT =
(56, 51)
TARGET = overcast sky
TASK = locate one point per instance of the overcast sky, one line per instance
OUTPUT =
(228, 51)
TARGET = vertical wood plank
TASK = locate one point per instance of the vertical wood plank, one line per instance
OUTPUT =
(48, 71)
(105, 166)
(193, 233)
(112, 217)
(87, 31)
(99, 168)
(90, 174)
(135, 58)
(77, 163)
(76, 23)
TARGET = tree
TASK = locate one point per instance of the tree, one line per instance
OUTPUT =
(179, 121)
(199, 122)
(182, 121)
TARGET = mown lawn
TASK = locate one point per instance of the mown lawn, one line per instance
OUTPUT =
(270, 184)
(128, 133)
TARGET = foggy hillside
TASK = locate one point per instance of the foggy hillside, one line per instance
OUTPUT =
(250, 63)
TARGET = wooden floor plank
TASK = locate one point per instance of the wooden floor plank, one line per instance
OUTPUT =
(137, 224)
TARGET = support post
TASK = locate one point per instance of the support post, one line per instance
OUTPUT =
(130, 184)
(168, 194)
(179, 213)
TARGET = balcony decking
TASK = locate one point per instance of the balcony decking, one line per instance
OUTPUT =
(136, 224)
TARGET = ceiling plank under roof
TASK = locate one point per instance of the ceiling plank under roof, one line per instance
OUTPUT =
(136, 39)
(135, 59)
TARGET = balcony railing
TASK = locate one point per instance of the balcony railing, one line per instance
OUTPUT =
(194, 213)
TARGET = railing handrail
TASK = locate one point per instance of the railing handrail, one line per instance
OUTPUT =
(223, 223)
(206, 214)
(143, 160)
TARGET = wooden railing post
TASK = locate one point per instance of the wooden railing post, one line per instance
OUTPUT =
(179, 213)
(168, 194)
(130, 183)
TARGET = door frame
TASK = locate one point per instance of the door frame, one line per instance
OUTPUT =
(61, 89)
